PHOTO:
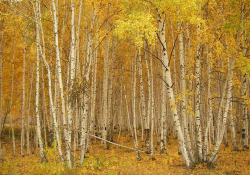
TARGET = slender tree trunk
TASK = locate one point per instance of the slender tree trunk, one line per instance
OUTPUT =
(39, 135)
(232, 123)
(163, 110)
(105, 89)
(94, 84)
(110, 91)
(11, 99)
(87, 93)
(245, 137)
(59, 72)
(72, 79)
(175, 76)
(152, 106)
(183, 93)
(142, 93)
(210, 109)
(28, 115)
(134, 114)
(198, 97)
(23, 97)
(53, 110)
(245, 116)
(147, 127)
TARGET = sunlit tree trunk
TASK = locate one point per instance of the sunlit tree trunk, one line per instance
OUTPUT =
(198, 96)
(71, 80)
(163, 111)
(87, 93)
(142, 93)
(183, 92)
(175, 76)
(60, 82)
(53, 107)
(78, 71)
(37, 12)
(162, 38)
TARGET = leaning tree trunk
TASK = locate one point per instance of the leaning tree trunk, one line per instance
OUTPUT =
(162, 38)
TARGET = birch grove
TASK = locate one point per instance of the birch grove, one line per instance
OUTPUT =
(78, 74)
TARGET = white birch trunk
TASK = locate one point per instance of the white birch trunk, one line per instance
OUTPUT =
(147, 127)
(142, 93)
(173, 108)
(152, 106)
(134, 114)
(105, 90)
(23, 97)
(183, 93)
(37, 11)
(28, 115)
(245, 116)
(198, 97)
(229, 96)
(87, 93)
(210, 109)
(94, 84)
(59, 72)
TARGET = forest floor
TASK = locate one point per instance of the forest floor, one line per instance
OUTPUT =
(118, 160)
